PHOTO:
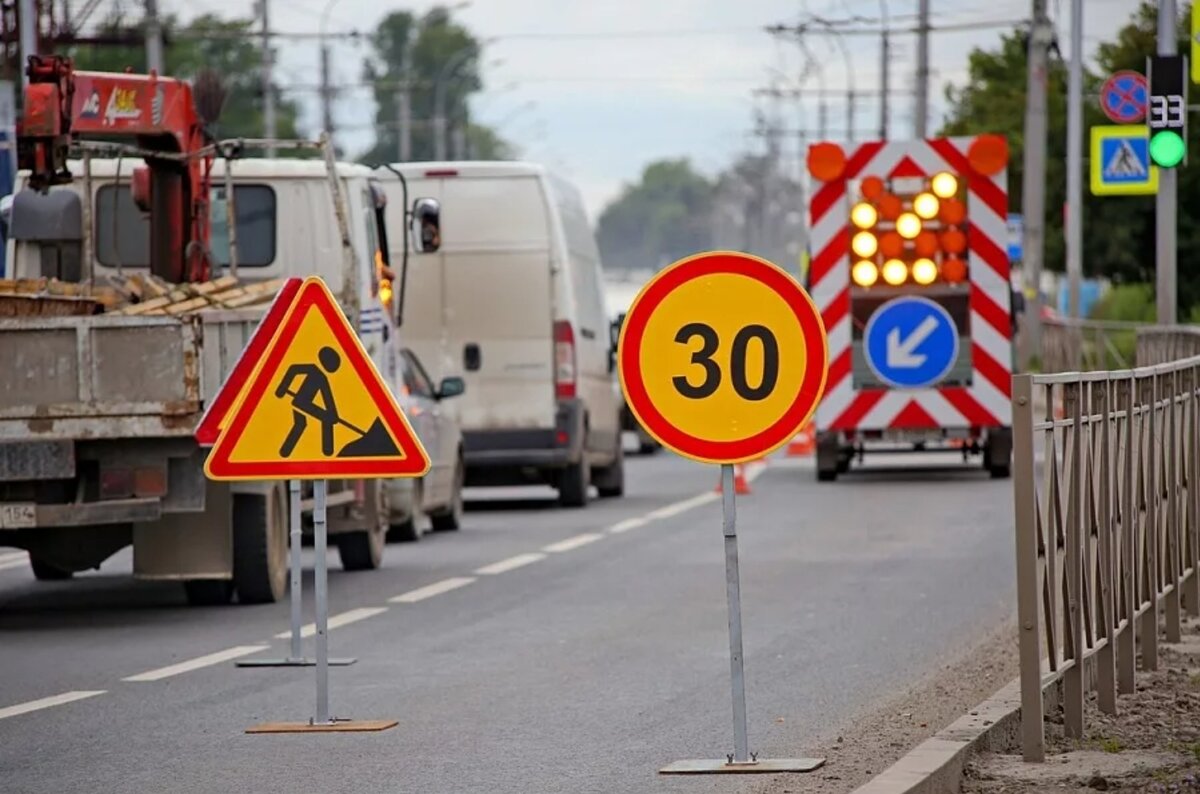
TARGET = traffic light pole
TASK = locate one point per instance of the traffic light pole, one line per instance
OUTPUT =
(1166, 202)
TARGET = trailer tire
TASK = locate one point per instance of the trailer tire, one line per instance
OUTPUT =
(829, 461)
(208, 592)
(997, 453)
(260, 546)
(45, 572)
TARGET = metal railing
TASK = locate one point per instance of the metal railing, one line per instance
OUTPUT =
(1071, 345)
(1106, 525)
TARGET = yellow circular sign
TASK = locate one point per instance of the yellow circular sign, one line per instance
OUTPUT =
(723, 357)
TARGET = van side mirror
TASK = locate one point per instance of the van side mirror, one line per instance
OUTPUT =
(451, 387)
(427, 225)
(614, 331)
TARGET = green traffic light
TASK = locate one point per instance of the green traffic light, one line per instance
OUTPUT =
(1167, 148)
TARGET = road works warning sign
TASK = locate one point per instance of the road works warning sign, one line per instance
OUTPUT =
(1120, 161)
(316, 408)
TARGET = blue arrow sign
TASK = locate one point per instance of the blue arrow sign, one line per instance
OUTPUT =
(910, 342)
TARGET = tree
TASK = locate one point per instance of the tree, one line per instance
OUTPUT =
(440, 47)
(665, 216)
(226, 46)
(1118, 231)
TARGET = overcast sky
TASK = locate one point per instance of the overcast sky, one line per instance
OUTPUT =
(620, 83)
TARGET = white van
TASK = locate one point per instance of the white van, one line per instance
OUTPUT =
(513, 301)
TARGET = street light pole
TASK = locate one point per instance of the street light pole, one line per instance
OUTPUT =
(1165, 203)
(326, 83)
(1075, 161)
(439, 95)
(1033, 192)
(884, 61)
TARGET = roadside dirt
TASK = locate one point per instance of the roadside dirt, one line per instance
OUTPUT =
(1152, 744)
(879, 737)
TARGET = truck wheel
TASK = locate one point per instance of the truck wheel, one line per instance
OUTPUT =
(45, 572)
(573, 484)
(208, 592)
(260, 546)
(997, 453)
(829, 459)
(363, 550)
(409, 530)
(610, 481)
(450, 517)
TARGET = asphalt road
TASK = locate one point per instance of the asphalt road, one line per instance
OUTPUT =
(559, 651)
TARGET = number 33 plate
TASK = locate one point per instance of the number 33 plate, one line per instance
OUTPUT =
(723, 357)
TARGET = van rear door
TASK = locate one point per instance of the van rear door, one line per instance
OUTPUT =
(498, 300)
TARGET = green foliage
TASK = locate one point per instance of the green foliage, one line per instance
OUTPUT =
(438, 44)
(1126, 303)
(662, 218)
(1111, 745)
(224, 45)
(1118, 231)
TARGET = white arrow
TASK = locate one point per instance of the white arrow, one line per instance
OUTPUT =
(900, 354)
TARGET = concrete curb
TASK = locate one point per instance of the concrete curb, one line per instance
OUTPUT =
(935, 766)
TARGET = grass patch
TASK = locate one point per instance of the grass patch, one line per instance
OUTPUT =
(1111, 745)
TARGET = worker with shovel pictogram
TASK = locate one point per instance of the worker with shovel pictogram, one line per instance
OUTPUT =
(313, 398)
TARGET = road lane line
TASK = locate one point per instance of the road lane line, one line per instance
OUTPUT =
(573, 543)
(682, 507)
(628, 524)
(197, 663)
(14, 555)
(337, 621)
(429, 591)
(510, 564)
(45, 703)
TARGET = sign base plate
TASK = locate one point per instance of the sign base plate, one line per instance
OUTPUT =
(334, 726)
(289, 662)
(704, 766)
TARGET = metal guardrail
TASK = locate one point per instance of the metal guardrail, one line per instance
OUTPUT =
(1107, 526)
(1071, 345)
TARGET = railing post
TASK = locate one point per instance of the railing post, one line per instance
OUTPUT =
(1106, 685)
(1073, 688)
(1191, 588)
(1127, 637)
(1174, 627)
(1149, 624)
(1033, 732)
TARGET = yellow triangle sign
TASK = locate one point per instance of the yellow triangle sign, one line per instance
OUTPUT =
(316, 407)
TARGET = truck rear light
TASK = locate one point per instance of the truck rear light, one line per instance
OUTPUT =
(440, 172)
(116, 483)
(150, 481)
(564, 360)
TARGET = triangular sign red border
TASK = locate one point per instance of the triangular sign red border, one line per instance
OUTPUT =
(210, 424)
(313, 295)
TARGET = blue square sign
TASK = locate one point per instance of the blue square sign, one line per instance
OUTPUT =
(1120, 161)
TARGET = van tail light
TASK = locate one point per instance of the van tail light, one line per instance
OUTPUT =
(564, 360)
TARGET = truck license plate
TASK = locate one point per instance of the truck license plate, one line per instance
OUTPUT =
(18, 515)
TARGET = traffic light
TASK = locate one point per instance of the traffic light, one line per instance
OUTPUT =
(1166, 113)
(908, 231)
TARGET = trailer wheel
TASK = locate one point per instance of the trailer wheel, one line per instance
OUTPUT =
(260, 546)
(997, 453)
(829, 461)
(208, 592)
(45, 572)
(362, 550)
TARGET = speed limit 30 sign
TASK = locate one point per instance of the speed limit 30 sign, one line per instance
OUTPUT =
(723, 357)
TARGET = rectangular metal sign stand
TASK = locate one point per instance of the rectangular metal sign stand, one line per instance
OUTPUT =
(295, 657)
(741, 759)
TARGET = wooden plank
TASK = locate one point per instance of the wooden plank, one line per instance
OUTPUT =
(146, 307)
(337, 726)
(182, 307)
(217, 285)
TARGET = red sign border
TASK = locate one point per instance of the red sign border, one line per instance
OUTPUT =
(812, 386)
(210, 423)
(1104, 90)
(314, 294)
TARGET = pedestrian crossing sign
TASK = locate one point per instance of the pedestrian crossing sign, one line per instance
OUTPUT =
(1120, 161)
(316, 407)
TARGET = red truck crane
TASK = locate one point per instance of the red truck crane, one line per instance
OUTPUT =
(159, 114)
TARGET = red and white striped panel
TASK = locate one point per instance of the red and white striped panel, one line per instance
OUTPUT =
(986, 402)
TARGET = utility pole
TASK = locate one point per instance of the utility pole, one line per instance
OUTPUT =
(268, 87)
(404, 102)
(326, 91)
(154, 42)
(1033, 198)
(1166, 202)
(921, 116)
(1075, 161)
(884, 62)
(27, 20)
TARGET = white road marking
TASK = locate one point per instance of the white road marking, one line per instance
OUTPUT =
(14, 555)
(429, 591)
(336, 621)
(510, 564)
(628, 524)
(197, 663)
(682, 507)
(45, 703)
(573, 543)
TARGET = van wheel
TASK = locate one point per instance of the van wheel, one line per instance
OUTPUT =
(610, 481)
(409, 530)
(260, 546)
(208, 592)
(573, 484)
(450, 517)
(45, 572)
(363, 550)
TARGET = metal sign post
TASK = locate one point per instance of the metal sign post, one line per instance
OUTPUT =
(295, 657)
(733, 595)
(321, 588)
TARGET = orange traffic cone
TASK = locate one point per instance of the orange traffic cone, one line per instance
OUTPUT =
(741, 486)
(804, 444)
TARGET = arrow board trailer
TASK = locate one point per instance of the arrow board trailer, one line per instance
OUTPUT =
(911, 275)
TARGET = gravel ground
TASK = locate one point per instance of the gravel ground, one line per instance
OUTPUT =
(1152, 743)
